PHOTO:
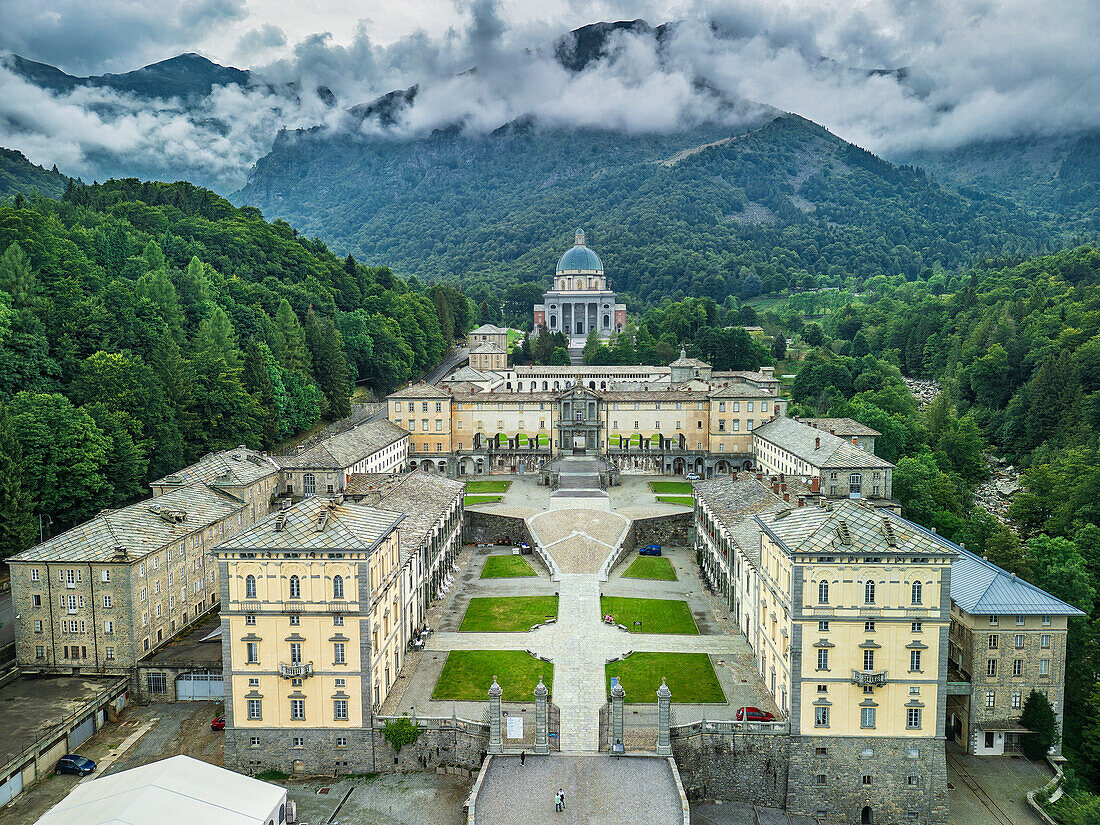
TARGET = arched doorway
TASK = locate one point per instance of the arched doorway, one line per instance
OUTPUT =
(722, 468)
(867, 817)
(591, 385)
(412, 465)
(678, 466)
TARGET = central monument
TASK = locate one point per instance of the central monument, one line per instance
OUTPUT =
(579, 300)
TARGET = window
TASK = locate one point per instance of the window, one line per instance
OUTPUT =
(338, 621)
(1044, 667)
(912, 718)
(993, 640)
(37, 625)
(250, 619)
(295, 621)
(108, 627)
(295, 587)
(1046, 621)
(338, 653)
(1044, 641)
(868, 660)
(298, 709)
(822, 779)
(916, 592)
(110, 652)
(34, 574)
(250, 587)
(1017, 667)
(866, 779)
(340, 710)
(823, 627)
(156, 682)
(36, 600)
(917, 627)
(914, 661)
(309, 484)
(821, 717)
(1021, 620)
(822, 688)
(341, 741)
(823, 593)
(869, 593)
(912, 781)
(338, 587)
(991, 698)
(295, 653)
(991, 667)
(340, 682)
(1016, 699)
(914, 690)
(868, 627)
(106, 599)
(992, 621)
(1019, 641)
(821, 751)
(823, 659)
(253, 653)
(867, 717)
(254, 741)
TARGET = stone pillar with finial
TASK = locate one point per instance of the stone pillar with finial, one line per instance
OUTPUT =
(617, 696)
(664, 720)
(496, 740)
(542, 725)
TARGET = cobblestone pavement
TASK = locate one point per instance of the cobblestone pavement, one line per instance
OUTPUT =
(598, 789)
(736, 813)
(387, 799)
(992, 790)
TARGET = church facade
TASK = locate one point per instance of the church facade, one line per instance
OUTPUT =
(579, 300)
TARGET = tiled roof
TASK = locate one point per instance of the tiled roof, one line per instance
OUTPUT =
(141, 528)
(801, 440)
(467, 373)
(849, 526)
(981, 587)
(420, 390)
(318, 523)
(733, 501)
(489, 329)
(237, 467)
(487, 348)
(540, 369)
(741, 391)
(348, 448)
(423, 497)
(745, 375)
(840, 426)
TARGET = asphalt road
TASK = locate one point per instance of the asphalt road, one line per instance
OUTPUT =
(7, 616)
(434, 375)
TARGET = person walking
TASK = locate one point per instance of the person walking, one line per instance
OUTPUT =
(559, 801)
(522, 757)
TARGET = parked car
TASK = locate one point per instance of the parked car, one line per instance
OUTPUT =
(74, 763)
(754, 715)
(524, 546)
(218, 724)
(650, 550)
(693, 476)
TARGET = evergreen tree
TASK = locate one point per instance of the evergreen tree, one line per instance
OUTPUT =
(215, 337)
(191, 287)
(17, 277)
(18, 526)
(158, 288)
(1038, 716)
(256, 378)
(331, 367)
(591, 345)
(291, 339)
(779, 347)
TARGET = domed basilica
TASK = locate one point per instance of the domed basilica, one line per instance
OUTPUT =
(579, 300)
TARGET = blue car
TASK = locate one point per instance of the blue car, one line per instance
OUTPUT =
(650, 550)
(74, 763)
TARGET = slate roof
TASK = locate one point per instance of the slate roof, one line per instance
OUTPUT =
(733, 502)
(849, 526)
(419, 390)
(346, 449)
(318, 523)
(423, 498)
(177, 789)
(741, 391)
(834, 452)
(140, 529)
(746, 375)
(542, 369)
(487, 348)
(468, 373)
(981, 587)
(237, 467)
(840, 426)
(490, 329)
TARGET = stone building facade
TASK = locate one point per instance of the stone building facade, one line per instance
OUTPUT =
(580, 300)
(325, 468)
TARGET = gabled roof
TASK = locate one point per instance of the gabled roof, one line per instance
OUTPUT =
(979, 586)
(487, 348)
(318, 523)
(741, 391)
(423, 497)
(489, 329)
(733, 502)
(346, 449)
(139, 529)
(840, 426)
(177, 789)
(817, 447)
(419, 390)
(237, 467)
(467, 373)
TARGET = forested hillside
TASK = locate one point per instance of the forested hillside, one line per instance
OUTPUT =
(17, 174)
(144, 324)
(700, 213)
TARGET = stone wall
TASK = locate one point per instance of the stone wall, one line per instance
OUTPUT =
(748, 767)
(489, 528)
(675, 530)
(899, 779)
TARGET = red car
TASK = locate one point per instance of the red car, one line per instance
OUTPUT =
(754, 715)
(219, 723)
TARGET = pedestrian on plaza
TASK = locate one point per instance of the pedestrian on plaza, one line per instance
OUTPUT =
(559, 801)
(522, 757)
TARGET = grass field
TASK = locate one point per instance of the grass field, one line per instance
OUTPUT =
(651, 567)
(680, 488)
(467, 675)
(655, 615)
(506, 567)
(508, 613)
(683, 501)
(487, 486)
(690, 677)
(468, 500)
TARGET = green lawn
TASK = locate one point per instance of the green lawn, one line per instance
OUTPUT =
(690, 677)
(651, 567)
(487, 486)
(683, 501)
(468, 500)
(682, 488)
(655, 615)
(508, 613)
(506, 567)
(467, 675)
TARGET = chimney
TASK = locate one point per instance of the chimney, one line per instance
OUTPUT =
(775, 487)
(801, 501)
(782, 484)
(854, 442)
(815, 485)
(759, 476)
(795, 417)
(782, 477)
(786, 496)
(817, 443)
(733, 475)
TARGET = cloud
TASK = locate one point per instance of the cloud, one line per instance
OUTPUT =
(974, 69)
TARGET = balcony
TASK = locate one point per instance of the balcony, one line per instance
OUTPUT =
(295, 671)
(874, 678)
(251, 606)
(340, 607)
(822, 611)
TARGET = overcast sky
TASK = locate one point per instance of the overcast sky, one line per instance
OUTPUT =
(975, 69)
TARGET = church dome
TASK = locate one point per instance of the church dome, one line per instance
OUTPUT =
(580, 257)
